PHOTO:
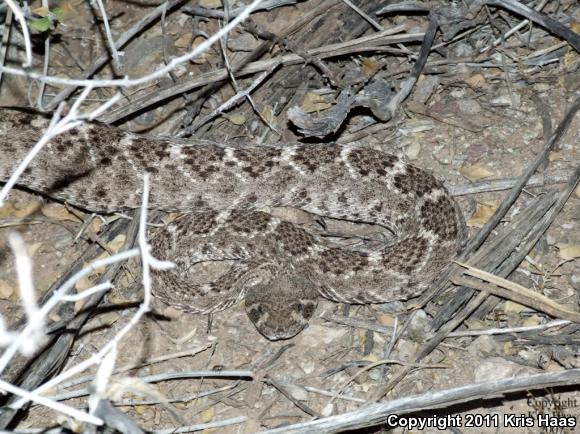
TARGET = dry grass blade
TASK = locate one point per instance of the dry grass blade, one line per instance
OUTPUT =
(512, 291)
(377, 414)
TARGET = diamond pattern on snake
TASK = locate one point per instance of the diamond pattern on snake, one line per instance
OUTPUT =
(279, 268)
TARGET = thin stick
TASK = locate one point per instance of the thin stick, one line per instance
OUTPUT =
(124, 39)
(507, 183)
(53, 355)
(331, 50)
(57, 126)
(231, 102)
(373, 365)
(519, 294)
(284, 391)
(116, 54)
(147, 262)
(57, 406)
(358, 10)
(326, 51)
(212, 13)
(501, 331)
(159, 73)
(202, 426)
(88, 292)
(151, 361)
(19, 15)
(514, 29)
(27, 292)
(543, 20)
(387, 412)
(39, 101)
(8, 20)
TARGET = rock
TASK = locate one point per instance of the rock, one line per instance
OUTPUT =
(496, 368)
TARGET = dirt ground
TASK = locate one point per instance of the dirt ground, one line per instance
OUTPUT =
(478, 126)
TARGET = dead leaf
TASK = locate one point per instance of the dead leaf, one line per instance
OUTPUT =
(109, 318)
(476, 80)
(370, 66)
(532, 321)
(567, 252)
(33, 248)
(366, 387)
(509, 349)
(141, 409)
(207, 415)
(386, 320)
(6, 290)
(210, 4)
(553, 367)
(69, 9)
(371, 357)
(475, 172)
(202, 58)
(54, 317)
(117, 243)
(78, 306)
(7, 210)
(482, 214)
(83, 283)
(95, 226)
(313, 102)
(122, 385)
(236, 118)
(41, 12)
(555, 156)
(59, 212)
(184, 41)
(21, 209)
(476, 324)
(512, 307)
(268, 114)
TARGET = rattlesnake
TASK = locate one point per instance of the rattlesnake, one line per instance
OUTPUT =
(279, 268)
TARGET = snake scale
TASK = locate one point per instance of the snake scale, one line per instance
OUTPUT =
(279, 268)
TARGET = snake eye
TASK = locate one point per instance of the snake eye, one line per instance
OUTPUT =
(255, 313)
(308, 310)
(305, 310)
(298, 308)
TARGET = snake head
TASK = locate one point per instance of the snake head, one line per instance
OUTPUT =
(281, 308)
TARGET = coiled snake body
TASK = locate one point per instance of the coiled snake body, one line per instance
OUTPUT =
(280, 268)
